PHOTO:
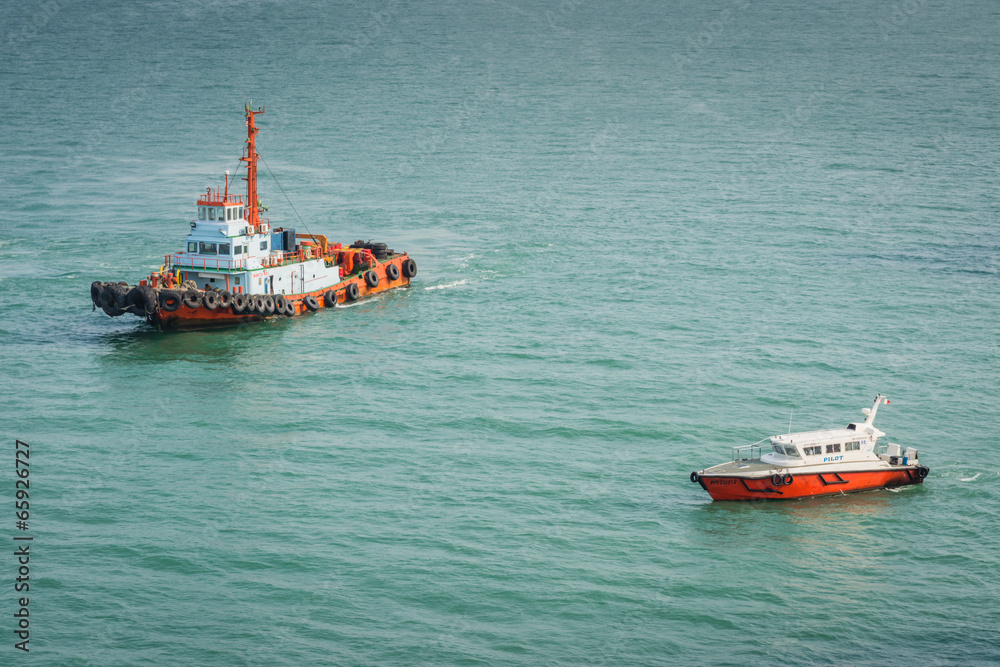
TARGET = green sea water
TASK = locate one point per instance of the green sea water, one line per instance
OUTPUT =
(646, 232)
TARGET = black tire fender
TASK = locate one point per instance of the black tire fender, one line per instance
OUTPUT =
(409, 268)
(225, 299)
(392, 272)
(170, 300)
(775, 479)
(123, 297)
(95, 291)
(371, 279)
(279, 304)
(289, 309)
(311, 302)
(694, 477)
(267, 305)
(330, 299)
(193, 298)
(210, 300)
(146, 298)
(239, 304)
(922, 472)
(352, 292)
(788, 479)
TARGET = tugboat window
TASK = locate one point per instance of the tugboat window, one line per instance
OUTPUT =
(192, 246)
(201, 212)
(263, 245)
(830, 449)
(211, 214)
(223, 248)
(207, 249)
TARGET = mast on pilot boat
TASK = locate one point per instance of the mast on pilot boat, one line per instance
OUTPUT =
(870, 412)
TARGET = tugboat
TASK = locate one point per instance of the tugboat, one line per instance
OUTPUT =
(237, 268)
(814, 463)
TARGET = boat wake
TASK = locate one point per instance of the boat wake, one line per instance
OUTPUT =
(457, 283)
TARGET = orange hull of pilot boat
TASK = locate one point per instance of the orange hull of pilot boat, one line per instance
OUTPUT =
(237, 268)
(814, 463)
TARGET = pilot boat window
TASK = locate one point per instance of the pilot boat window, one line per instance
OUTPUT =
(223, 248)
(201, 212)
(830, 449)
(211, 213)
(192, 246)
(852, 447)
(813, 451)
(791, 451)
(207, 249)
(778, 449)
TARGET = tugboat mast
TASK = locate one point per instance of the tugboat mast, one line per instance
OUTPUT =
(250, 157)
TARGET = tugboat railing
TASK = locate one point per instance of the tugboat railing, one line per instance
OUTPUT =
(205, 263)
(243, 264)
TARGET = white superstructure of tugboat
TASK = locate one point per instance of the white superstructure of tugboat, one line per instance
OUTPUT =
(814, 463)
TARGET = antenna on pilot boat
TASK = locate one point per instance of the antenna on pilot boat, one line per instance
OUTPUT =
(790, 421)
(870, 412)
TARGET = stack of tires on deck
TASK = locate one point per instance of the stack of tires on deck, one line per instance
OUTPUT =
(118, 298)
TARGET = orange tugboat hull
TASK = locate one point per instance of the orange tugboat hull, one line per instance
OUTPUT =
(808, 485)
(186, 317)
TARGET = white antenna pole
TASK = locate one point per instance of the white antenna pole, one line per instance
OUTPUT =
(790, 421)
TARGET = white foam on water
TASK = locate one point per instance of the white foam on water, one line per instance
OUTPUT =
(970, 479)
(448, 285)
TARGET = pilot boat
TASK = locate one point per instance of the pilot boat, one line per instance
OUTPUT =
(814, 463)
(237, 268)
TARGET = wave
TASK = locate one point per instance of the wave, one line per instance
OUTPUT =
(448, 285)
